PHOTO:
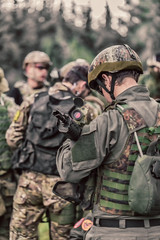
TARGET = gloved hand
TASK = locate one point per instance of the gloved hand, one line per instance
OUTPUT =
(67, 125)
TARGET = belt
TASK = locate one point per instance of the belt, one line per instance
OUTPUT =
(127, 223)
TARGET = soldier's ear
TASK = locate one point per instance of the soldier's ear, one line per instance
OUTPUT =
(107, 80)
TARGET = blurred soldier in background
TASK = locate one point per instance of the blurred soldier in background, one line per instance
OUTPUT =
(66, 68)
(35, 66)
(7, 180)
(35, 134)
(77, 77)
(57, 75)
(151, 78)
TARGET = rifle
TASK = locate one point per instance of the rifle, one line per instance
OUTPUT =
(72, 123)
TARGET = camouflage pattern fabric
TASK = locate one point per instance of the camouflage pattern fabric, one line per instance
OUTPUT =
(114, 196)
(35, 57)
(114, 59)
(15, 132)
(11, 106)
(27, 91)
(4, 87)
(33, 196)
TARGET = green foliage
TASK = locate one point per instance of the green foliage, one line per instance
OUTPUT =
(78, 50)
(143, 27)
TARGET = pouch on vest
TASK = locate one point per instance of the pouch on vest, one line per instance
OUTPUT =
(23, 157)
(68, 191)
(144, 187)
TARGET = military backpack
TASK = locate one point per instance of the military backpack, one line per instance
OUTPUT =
(144, 185)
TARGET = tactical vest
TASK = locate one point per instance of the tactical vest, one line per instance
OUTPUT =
(43, 139)
(114, 178)
(5, 153)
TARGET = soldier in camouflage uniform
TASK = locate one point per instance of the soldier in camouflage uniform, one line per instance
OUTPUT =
(35, 66)
(34, 193)
(107, 146)
(7, 179)
(151, 78)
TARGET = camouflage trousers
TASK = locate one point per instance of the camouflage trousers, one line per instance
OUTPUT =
(33, 197)
(7, 190)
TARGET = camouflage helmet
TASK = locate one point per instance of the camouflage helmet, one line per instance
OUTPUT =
(3, 82)
(36, 57)
(113, 59)
(154, 60)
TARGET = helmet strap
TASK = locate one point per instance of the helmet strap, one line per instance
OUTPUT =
(112, 86)
(111, 93)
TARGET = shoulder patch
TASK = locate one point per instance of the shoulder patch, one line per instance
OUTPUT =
(78, 223)
(16, 116)
(87, 224)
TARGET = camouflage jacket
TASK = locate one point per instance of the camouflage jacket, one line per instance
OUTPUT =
(22, 90)
(11, 106)
(16, 131)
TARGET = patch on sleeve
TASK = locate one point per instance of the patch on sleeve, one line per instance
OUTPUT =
(16, 116)
(87, 224)
(79, 223)
(84, 149)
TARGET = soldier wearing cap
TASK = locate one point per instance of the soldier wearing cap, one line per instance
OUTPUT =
(7, 178)
(105, 144)
(35, 66)
(151, 78)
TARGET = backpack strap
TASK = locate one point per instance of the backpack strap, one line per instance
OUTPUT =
(138, 144)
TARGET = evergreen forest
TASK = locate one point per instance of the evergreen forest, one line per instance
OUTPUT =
(27, 25)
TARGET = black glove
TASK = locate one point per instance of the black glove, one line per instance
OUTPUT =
(68, 125)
